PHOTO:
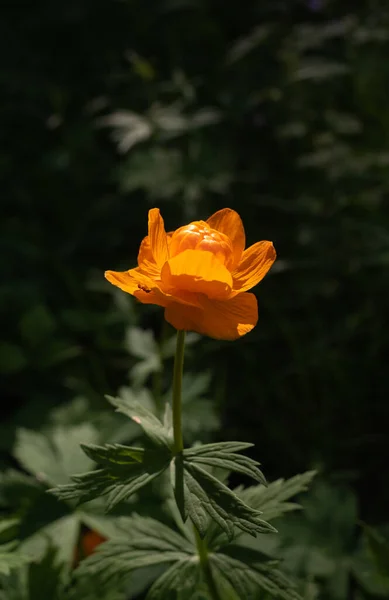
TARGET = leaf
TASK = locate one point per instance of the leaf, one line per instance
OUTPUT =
(8, 529)
(151, 425)
(125, 470)
(46, 578)
(246, 580)
(53, 459)
(370, 563)
(379, 548)
(272, 500)
(223, 455)
(10, 558)
(17, 489)
(180, 582)
(139, 542)
(128, 127)
(204, 497)
(141, 343)
(159, 171)
(201, 416)
(61, 535)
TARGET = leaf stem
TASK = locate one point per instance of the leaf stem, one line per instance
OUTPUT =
(202, 551)
(177, 387)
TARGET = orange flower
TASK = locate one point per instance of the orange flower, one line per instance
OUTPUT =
(200, 274)
(87, 545)
(89, 542)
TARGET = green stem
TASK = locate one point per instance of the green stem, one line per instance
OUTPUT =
(177, 386)
(202, 551)
(178, 448)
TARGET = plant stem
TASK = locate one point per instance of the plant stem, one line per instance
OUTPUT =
(178, 448)
(206, 567)
(177, 386)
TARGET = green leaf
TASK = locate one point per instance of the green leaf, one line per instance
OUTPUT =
(204, 497)
(138, 543)
(151, 425)
(8, 529)
(61, 535)
(247, 580)
(17, 489)
(201, 416)
(370, 563)
(272, 500)
(53, 459)
(379, 548)
(10, 558)
(180, 582)
(224, 588)
(223, 455)
(125, 470)
(46, 578)
(141, 343)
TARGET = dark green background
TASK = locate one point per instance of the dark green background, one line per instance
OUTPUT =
(278, 109)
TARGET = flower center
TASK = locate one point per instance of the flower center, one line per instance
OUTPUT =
(199, 236)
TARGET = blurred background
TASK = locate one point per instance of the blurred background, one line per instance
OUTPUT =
(275, 108)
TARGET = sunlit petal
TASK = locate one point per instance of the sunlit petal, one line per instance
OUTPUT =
(157, 238)
(223, 320)
(255, 263)
(197, 271)
(146, 261)
(228, 221)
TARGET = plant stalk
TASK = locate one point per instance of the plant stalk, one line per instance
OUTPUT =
(177, 387)
(178, 448)
(202, 551)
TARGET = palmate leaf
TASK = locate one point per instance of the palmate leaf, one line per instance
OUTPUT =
(224, 455)
(61, 535)
(138, 543)
(273, 499)
(182, 581)
(151, 425)
(38, 580)
(125, 470)
(10, 558)
(249, 580)
(53, 458)
(202, 497)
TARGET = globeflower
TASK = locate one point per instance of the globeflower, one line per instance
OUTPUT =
(200, 274)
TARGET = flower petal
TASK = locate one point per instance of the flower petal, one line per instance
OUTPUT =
(157, 238)
(146, 261)
(221, 319)
(196, 271)
(228, 221)
(255, 263)
(139, 285)
(147, 290)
